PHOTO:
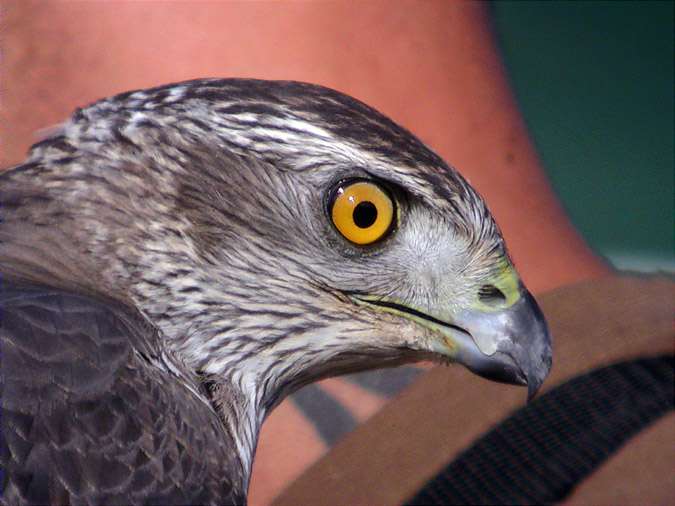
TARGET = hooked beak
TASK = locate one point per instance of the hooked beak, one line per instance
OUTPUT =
(512, 345)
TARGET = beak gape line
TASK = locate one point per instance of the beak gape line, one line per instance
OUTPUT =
(511, 345)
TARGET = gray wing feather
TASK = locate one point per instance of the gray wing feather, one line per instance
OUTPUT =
(89, 417)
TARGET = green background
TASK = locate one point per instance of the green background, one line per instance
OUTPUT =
(595, 83)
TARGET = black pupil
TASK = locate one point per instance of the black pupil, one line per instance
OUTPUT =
(365, 214)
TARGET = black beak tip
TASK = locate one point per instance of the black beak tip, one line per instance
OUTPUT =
(535, 380)
(532, 389)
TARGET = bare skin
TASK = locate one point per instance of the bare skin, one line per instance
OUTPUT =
(431, 66)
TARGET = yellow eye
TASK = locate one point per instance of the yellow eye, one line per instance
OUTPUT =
(362, 212)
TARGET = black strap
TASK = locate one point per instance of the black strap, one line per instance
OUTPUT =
(542, 451)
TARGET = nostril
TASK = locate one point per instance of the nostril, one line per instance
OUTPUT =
(491, 295)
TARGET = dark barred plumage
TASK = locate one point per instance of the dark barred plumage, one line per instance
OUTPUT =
(191, 219)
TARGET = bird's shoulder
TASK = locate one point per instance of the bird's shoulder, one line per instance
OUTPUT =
(95, 410)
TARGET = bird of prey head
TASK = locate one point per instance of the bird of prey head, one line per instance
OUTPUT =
(274, 233)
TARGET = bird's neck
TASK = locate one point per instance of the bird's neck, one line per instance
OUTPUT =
(49, 236)
(241, 418)
(227, 318)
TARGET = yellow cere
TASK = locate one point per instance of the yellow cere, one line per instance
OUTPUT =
(362, 212)
(508, 282)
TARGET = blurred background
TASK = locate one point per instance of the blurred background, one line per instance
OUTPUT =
(594, 81)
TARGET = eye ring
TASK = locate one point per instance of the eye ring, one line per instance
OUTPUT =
(362, 211)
